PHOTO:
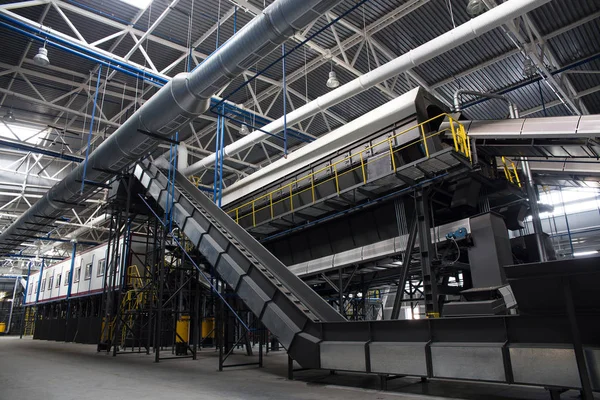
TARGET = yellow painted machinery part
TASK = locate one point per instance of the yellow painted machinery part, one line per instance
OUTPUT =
(2, 327)
(208, 325)
(183, 329)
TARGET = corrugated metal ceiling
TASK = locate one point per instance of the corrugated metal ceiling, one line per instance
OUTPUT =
(429, 20)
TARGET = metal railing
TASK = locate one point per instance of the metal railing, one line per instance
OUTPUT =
(307, 183)
(510, 171)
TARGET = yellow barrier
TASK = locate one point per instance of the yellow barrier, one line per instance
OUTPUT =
(286, 193)
(510, 171)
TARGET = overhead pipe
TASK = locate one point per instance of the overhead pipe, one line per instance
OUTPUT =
(513, 111)
(475, 27)
(181, 100)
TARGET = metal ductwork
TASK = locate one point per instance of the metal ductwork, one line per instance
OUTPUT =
(182, 99)
(476, 27)
(513, 111)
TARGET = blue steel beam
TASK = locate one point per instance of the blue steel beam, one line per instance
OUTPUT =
(38, 150)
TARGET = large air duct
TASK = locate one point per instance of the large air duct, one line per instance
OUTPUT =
(179, 101)
(448, 41)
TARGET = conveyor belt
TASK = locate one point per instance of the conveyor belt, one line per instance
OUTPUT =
(285, 303)
(528, 349)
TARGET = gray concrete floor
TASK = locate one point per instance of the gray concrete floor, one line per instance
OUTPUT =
(32, 369)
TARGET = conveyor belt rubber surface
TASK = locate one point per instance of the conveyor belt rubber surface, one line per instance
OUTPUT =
(284, 303)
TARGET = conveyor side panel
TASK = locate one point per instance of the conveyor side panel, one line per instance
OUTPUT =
(285, 304)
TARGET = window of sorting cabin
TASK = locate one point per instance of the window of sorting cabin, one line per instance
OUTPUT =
(68, 277)
(77, 275)
(50, 282)
(88, 272)
(101, 267)
(58, 280)
(43, 285)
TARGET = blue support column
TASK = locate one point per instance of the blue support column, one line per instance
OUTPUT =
(125, 253)
(27, 284)
(37, 295)
(284, 102)
(171, 184)
(222, 150)
(217, 157)
(71, 270)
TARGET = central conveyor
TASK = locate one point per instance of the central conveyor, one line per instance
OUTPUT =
(285, 304)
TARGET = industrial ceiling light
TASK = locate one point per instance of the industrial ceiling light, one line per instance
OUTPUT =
(9, 116)
(528, 68)
(476, 7)
(41, 58)
(333, 81)
(244, 130)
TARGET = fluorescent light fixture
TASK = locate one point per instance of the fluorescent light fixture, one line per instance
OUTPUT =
(141, 4)
(585, 253)
(397, 262)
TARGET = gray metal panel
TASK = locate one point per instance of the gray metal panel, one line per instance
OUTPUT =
(398, 358)
(589, 125)
(592, 357)
(252, 295)
(345, 356)
(348, 257)
(495, 129)
(400, 243)
(491, 250)
(468, 361)
(376, 249)
(299, 269)
(320, 264)
(280, 325)
(553, 126)
(546, 366)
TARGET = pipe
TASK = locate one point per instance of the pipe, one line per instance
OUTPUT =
(476, 27)
(182, 156)
(184, 98)
(535, 211)
(513, 111)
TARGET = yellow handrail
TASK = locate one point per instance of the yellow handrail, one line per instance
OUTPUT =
(510, 171)
(460, 139)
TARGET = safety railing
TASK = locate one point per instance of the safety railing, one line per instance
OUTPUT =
(358, 164)
(510, 171)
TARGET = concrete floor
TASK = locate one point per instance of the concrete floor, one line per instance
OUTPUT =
(32, 369)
